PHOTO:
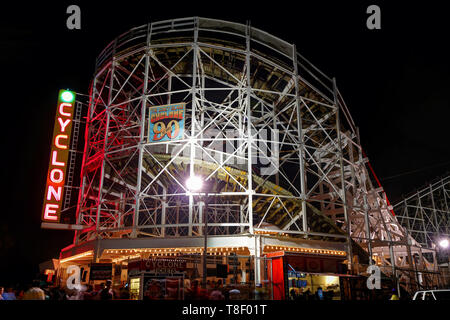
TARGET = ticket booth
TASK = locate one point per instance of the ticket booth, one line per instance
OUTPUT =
(313, 276)
(157, 279)
(149, 286)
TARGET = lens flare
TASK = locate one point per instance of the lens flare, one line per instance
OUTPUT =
(194, 183)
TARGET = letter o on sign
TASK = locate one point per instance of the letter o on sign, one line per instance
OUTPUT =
(60, 175)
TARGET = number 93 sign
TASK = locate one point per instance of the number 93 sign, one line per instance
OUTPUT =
(166, 122)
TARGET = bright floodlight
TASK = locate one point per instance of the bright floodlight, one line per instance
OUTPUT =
(444, 243)
(67, 96)
(194, 183)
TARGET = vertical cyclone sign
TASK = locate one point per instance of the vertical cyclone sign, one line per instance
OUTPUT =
(54, 190)
(166, 122)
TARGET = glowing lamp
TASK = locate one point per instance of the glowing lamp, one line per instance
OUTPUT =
(67, 96)
(194, 183)
(444, 243)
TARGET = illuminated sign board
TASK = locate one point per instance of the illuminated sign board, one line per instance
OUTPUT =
(158, 265)
(166, 122)
(56, 175)
(100, 271)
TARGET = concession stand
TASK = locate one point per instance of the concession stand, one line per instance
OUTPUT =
(305, 274)
(157, 278)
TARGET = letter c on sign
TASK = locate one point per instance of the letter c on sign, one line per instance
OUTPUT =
(61, 109)
(57, 138)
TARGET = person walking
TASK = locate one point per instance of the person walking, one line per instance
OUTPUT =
(9, 294)
(193, 292)
(106, 293)
(216, 293)
(319, 294)
(394, 295)
(124, 293)
(89, 293)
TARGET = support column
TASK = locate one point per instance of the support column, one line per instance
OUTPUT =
(341, 164)
(120, 208)
(141, 144)
(193, 119)
(392, 256)
(102, 172)
(422, 267)
(444, 192)
(301, 144)
(163, 213)
(201, 210)
(97, 251)
(435, 269)
(366, 203)
(438, 233)
(256, 252)
(249, 133)
(367, 227)
(408, 247)
(423, 220)
(241, 218)
(79, 214)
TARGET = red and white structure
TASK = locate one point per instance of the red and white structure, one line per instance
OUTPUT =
(228, 77)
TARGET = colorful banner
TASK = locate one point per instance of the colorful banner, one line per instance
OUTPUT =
(56, 176)
(166, 122)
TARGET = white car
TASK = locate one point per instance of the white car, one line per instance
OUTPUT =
(432, 295)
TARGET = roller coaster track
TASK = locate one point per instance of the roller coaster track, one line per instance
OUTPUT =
(230, 76)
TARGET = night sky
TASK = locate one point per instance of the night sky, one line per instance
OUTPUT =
(395, 82)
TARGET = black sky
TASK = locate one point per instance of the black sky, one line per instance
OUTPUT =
(395, 82)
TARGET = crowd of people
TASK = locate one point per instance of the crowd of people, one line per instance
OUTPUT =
(39, 290)
(167, 289)
(308, 295)
(216, 290)
(193, 290)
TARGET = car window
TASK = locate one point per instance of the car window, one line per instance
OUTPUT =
(419, 296)
(429, 296)
(442, 295)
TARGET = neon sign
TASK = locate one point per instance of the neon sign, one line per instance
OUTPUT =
(59, 154)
